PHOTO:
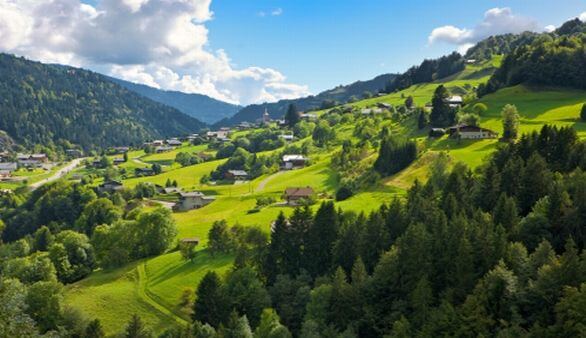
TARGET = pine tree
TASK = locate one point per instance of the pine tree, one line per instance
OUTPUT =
(320, 239)
(211, 304)
(94, 330)
(583, 112)
(136, 328)
(236, 327)
(422, 120)
(441, 113)
(274, 264)
(292, 116)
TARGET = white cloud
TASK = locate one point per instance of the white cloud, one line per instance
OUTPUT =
(277, 12)
(161, 43)
(549, 28)
(496, 21)
(583, 17)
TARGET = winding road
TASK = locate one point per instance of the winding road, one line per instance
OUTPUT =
(60, 173)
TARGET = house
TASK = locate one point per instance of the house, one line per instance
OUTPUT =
(383, 105)
(74, 153)
(5, 174)
(467, 132)
(287, 138)
(437, 132)
(244, 125)
(368, 111)
(144, 172)
(118, 161)
(157, 143)
(236, 175)
(171, 190)
(455, 101)
(223, 133)
(163, 149)
(282, 123)
(8, 166)
(192, 200)
(32, 160)
(4, 155)
(308, 116)
(290, 162)
(294, 196)
(471, 61)
(110, 186)
(190, 241)
(120, 150)
(174, 142)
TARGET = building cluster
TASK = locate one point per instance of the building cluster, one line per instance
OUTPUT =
(9, 164)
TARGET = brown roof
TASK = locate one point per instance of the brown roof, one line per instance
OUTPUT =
(299, 192)
(193, 240)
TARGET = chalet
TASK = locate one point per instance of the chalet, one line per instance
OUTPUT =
(74, 153)
(4, 155)
(5, 174)
(464, 131)
(190, 241)
(32, 160)
(287, 138)
(223, 133)
(144, 172)
(455, 101)
(157, 143)
(471, 61)
(244, 125)
(383, 105)
(308, 116)
(368, 111)
(437, 132)
(110, 186)
(294, 196)
(282, 123)
(118, 161)
(171, 190)
(8, 166)
(174, 142)
(163, 149)
(290, 162)
(236, 175)
(192, 200)
(120, 150)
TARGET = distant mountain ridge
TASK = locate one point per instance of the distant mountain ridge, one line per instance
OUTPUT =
(51, 105)
(201, 107)
(340, 94)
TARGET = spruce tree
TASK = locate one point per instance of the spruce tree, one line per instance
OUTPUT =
(441, 113)
(583, 112)
(320, 239)
(94, 330)
(136, 328)
(292, 116)
(211, 305)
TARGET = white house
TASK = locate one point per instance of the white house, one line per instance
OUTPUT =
(291, 162)
(455, 101)
(192, 200)
(472, 132)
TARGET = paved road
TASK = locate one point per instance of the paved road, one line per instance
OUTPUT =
(62, 172)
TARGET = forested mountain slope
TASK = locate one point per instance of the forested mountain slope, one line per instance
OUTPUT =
(201, 107)
(48, 104)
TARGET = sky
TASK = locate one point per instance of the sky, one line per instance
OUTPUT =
(252, 51)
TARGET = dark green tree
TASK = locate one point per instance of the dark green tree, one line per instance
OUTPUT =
(94, 330)
(320, 239)
(211, 306)
(442, 115)
(136, 328)
(292, 116)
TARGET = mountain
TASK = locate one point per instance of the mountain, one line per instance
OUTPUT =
(201, 107)
(340, 94)
(49, 104)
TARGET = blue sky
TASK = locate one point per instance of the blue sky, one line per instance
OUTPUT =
(252, 51)
(329, 42)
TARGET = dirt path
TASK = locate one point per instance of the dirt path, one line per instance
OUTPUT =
(261, 186)
(144, 295)
(60, 173)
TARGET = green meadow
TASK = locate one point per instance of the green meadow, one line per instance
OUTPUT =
(152, 288)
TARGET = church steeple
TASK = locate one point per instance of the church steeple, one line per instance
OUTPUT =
(266, 118)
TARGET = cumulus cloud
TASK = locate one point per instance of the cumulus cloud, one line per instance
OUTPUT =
(583, 17)
(549, 28)
(496, 21)
(161, 43)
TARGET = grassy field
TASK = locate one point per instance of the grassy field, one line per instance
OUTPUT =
(152, 288)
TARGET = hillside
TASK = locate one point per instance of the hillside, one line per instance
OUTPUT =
(201, 107)
(48, 104)
(337, 95)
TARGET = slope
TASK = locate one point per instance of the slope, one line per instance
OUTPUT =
(201, 107)
(48, 104)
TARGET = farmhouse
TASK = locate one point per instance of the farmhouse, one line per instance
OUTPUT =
(191, 241)
(294, 196)
(293, 162)
(174, 142)
(32, 160)
(110, 186)
(463, 131)
(383, 105)
(5, 174)
(74, 153)
(118, 161)
(236, 175)
(308, 116)
(455, 101)
(287, 138)
(120, 150)
(163, 149)
(8, 166)
(368, 111)
(223, 133)
(192, 200)
(144, 172)
(157, 143)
